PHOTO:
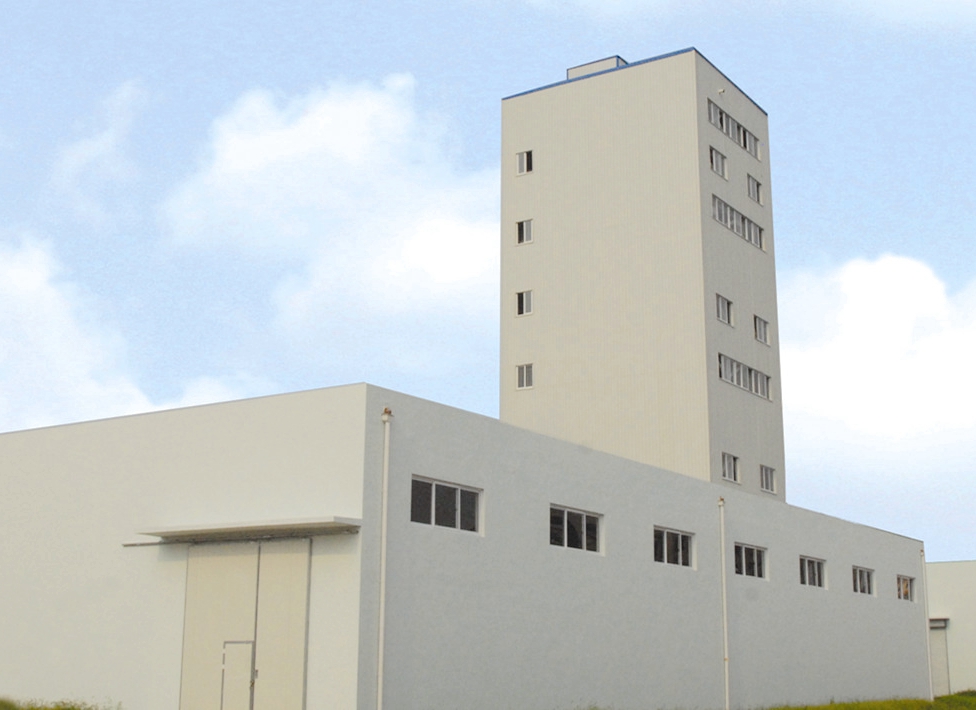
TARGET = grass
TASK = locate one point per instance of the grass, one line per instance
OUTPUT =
(60, 705)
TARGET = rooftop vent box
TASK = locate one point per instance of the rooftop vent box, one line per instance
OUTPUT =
(595, 67)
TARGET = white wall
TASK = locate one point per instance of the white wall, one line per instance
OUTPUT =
(84, 617)
(952, 596)
(503, 619)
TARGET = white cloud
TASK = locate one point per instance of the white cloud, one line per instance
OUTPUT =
(892, 357)
(57, 362)
(878, 392)
(379, 240)
(84, 168)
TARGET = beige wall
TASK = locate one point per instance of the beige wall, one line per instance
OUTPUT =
(95, 620)
(952, 596)
(624, 265)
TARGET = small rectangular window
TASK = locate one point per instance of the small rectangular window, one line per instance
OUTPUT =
(730, 467)
(750, 561)
(755, 189)
(762, 329)
(734, 372)
(574, 528)
(717, 162)
(444, 505)
(906, 588)
(734, 220)
(672, 547)
(811, 572)
(524, 376)
(767, 479)
(525, 162)
(723, 308)
(863, 580)
(523, 303)
(525, 231)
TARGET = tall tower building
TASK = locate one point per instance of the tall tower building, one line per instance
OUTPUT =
(638, 286)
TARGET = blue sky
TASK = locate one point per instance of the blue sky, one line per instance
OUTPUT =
(205, 201)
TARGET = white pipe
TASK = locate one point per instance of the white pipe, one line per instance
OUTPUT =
(928, 632)
(725, 604)
(381, 639)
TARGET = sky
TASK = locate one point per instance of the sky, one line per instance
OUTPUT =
(202, 201)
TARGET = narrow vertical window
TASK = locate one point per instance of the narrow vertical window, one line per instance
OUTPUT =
(730, 467)
(906, 588)
(421, 494)
(717, 162)
(762, 329)
(525, 231)
(523, 303)
(524, 376)
(723, 309)
(525, 162)
(767, 479)
(755, 189)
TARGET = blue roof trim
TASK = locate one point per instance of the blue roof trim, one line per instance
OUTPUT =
(635, 64)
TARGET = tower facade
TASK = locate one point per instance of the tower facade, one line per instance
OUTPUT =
(638, 286)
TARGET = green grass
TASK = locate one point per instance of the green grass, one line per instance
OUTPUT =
(960, 701)
(60, 705)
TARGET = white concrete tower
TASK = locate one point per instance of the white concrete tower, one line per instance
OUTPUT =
(638, 286)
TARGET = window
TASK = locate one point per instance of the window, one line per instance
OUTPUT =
(523, 303)
(811, 572)
(524, 373)
(906, 588)
(737, 222)
(733, 129)
(525, 231)
(672, 547)
(743, 376)
(730, 467)
(717, 161)
(723, 308)
(574, 528)
(762, 329)
(444, 504)
(754, 189)
(767, 479)
(750, 561)
(525, 162)
(863, 580)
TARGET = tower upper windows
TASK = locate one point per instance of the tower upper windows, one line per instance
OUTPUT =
(524, 162)
(733, 129)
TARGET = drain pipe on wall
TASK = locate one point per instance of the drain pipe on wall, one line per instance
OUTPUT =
(381, 633)
(928, 616)
(725, 603)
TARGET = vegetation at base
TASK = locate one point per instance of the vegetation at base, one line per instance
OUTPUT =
(60, 705)
(960, 701)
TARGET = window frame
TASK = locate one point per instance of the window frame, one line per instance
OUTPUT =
(754, 189)
(724, 307)
(718, 162)
(523, 303)
(760, 328)
(906, 587)
(685, 547)
(730, 467)
(813, 572)
(736, 222)
(524, 376)
(863, 580)
(744, 377)
(466, 518)
(588, 520)
(742, 564)
(742, 136)
(523, 231)
(767, 478)
(523, 162)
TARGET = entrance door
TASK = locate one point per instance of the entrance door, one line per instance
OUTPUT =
(244, 628)
(237, 681)
(939, 648)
